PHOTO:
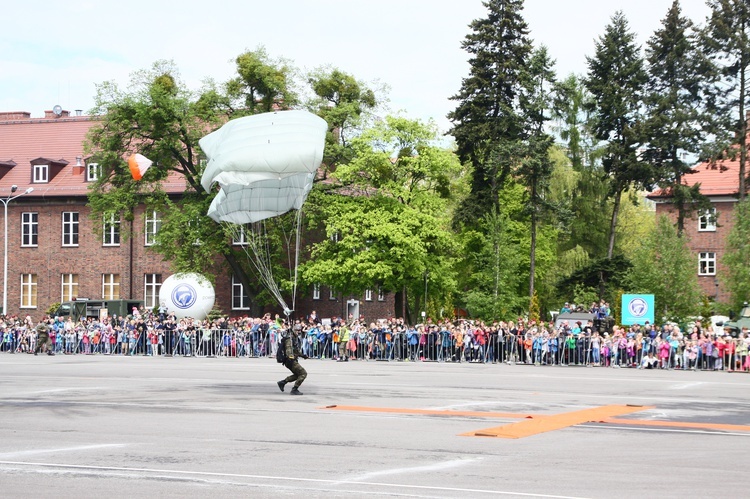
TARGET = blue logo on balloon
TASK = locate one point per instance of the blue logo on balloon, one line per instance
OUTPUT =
(638, 307)
(184, 296)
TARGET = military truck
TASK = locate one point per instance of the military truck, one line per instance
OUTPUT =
(734, 326)
(81, 308)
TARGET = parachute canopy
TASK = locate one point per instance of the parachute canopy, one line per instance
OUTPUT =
(138, 165)
(243, 204)
(268, 146)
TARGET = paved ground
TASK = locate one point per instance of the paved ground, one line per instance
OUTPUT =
(174, 427)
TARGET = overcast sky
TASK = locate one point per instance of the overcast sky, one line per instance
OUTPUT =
(54, 52)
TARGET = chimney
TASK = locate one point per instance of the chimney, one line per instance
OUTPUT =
(14, 115)
(50, 115)
(79, 167)
(79, 112)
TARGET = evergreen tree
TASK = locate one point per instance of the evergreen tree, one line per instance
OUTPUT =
(616, 78)
(674, 111)
(727, 42)
(487, 120)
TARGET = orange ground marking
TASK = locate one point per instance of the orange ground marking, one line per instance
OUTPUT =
(542, 424)
(678, 424)
(431, 412)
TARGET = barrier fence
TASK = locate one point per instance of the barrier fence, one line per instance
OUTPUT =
(439, 346)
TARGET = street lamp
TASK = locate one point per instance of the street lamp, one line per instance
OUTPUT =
(5, 202)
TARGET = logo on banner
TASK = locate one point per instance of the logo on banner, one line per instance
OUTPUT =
(638, 307)
(184, 296)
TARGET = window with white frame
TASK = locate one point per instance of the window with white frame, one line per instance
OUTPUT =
(69, 287)
(28, 290)
(240, 299)
(381, 294)
(707, 220)
(707, 263)
(111, 230)
(239, 237)
(151, 287)
(368, 295)
(70, 228)
(153, 224)
(41, 174)
(316, 291)
(29, 229)
(110, 286)
(92, 172)
(331, 294)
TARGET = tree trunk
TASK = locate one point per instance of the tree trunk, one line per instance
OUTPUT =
(613, 222)
(532, 256)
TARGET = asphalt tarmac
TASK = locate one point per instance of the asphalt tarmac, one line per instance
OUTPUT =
(100, 426)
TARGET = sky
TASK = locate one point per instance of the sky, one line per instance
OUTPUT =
(54, 52)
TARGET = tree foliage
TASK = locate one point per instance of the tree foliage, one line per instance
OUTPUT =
(736, 260)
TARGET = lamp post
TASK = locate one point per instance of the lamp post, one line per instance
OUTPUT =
(5, 202)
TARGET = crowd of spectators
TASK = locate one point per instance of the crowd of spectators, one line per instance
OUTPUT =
(580, 343)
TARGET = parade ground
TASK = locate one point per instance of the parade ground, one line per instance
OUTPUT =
(104, 426)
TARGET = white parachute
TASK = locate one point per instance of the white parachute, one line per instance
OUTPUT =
(265, 166)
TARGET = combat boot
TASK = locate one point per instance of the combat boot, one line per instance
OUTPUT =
(295, 391)
(281, 384)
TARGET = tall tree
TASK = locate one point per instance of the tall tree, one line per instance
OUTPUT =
(727, 42)
(673, 125)
(345, 104)
(616, 77)
(387, 218)
(534, 167)
(487, 120)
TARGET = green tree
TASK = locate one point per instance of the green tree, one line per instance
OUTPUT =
(161, 119)
(387, 219)
(616, 78)
(534, 168)
(736, 260)
(487, 121)
(345, 104)
(673, 125)
(727, 42)
(664, 265)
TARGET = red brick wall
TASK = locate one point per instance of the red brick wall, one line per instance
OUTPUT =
(707, 241)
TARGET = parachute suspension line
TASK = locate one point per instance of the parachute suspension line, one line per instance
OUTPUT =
(298, 228)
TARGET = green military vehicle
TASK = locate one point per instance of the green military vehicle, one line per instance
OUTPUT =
(79, 308)
(735, 326)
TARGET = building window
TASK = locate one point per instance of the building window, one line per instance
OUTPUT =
(331, 294)
(29, 229)
(239, 237)
(368, 295)
(110, 286)
(41, 174)
(70, 228)
(240, 299)
(28, 290)
(151, 287)
(707, 263)
(69, 284)
(316, 291)
(153, 224)
(92, 172)
(707, 220)
(111, 230)
(381, 295)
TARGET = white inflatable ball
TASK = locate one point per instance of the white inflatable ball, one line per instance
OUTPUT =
(187, 295)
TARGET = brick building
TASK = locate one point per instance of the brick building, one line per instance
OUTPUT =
(55, 254)
(707, 232)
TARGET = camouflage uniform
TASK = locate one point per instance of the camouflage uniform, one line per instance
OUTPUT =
(42, 338)
(291, 347)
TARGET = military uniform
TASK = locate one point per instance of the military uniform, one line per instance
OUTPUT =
(42, 338)
(291, 347)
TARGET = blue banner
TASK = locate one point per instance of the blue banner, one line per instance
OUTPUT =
(637, 309)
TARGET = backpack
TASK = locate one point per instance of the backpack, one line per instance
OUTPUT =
(281, 357)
